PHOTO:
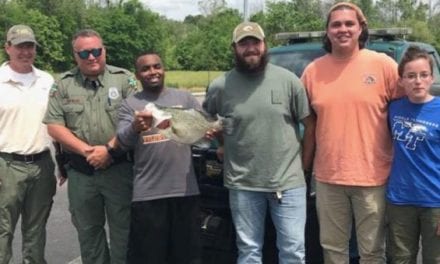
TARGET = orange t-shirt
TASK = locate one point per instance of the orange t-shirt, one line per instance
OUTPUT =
(350, 98)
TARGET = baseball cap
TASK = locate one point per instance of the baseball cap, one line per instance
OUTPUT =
(19, 34)
(247, 29)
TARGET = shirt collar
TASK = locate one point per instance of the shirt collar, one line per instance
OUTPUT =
(84, 78)
(6, 77)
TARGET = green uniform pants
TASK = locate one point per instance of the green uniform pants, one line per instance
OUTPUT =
(26, 189)
(95, 198)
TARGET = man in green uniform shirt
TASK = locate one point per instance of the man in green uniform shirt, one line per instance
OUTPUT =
(82, 116)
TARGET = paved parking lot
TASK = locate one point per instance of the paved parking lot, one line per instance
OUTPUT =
(62, 242)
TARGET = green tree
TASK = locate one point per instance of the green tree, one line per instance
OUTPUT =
(370, 12)
(420, 29)
(208, 46)
(434, 28)
(70, 15)
(199, 42)
(126, 31)
(175, 33)
(299, 15)
(392, 12)
(194, 20)
(50, 38)
(387, 11)
(412, 9)
(47, 31)
(67, 16)
(210, 7)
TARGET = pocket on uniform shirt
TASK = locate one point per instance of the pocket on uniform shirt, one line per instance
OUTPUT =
(73, 114)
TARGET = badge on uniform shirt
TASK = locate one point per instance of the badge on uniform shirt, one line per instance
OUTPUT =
(113, 93)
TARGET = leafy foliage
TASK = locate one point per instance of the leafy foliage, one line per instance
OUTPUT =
(208, 47)
(200, 42)
(197, 80)
(127, 31)
(46, 28)
(300, 15)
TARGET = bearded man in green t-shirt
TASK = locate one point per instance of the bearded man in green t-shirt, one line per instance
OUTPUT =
(262, 105)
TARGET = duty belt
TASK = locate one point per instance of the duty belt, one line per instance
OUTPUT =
(31, 158)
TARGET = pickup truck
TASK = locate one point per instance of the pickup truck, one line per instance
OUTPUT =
(300, 49)
(303, 47)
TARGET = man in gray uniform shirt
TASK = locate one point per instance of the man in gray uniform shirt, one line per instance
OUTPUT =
(165, 206)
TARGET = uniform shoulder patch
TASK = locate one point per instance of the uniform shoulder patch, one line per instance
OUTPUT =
(132, 82)
(53, 90)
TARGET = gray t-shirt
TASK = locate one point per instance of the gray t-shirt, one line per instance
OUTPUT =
(162, 168)
(261, 128)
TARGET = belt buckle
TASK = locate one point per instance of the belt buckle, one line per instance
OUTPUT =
(28, 159)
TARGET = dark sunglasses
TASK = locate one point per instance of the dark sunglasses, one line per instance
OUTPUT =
(84, 54)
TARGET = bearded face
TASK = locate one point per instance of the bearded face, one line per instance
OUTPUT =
(250, 55)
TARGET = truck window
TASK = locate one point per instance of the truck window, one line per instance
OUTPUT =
(295, 61)
(436, 72)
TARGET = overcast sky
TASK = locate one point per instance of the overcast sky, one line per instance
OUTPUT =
(179, 9)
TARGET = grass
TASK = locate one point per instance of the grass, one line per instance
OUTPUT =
(195, 81)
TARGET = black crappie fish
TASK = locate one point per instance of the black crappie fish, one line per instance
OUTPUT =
(187, 126)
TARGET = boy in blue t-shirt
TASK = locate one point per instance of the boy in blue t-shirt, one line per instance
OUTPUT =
(413, 191)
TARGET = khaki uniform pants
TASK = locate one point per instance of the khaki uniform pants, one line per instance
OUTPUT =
(336, 206)
(406, 225)
(26, 189)
(93, 199)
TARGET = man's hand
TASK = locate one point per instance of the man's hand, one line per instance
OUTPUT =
(213, 133)
(98, 157)
(61, 180)
(142, 121)
(164, 124)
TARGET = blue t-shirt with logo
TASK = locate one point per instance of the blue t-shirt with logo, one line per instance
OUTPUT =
(415, 172)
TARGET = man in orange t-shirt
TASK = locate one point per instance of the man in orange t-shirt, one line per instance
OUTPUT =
(349, 89)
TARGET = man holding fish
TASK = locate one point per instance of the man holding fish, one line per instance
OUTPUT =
(165, 207)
